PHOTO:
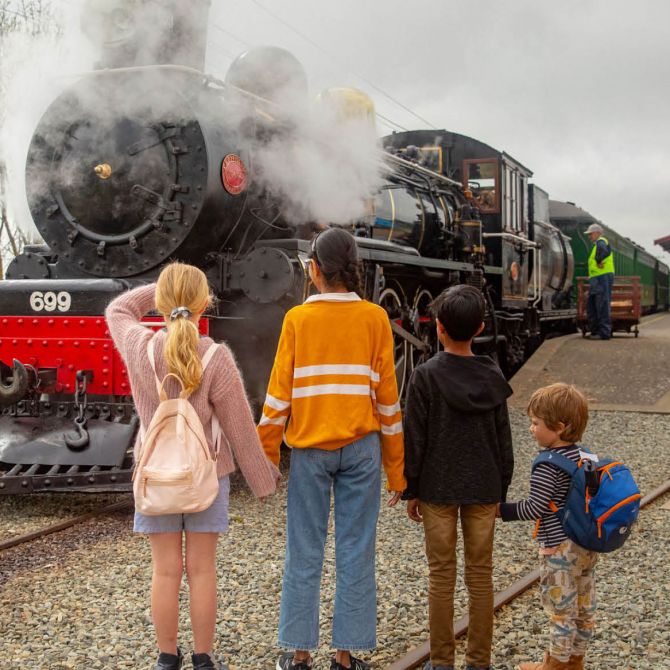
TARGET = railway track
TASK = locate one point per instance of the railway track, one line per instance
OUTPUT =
(418, 655)
(63, 525)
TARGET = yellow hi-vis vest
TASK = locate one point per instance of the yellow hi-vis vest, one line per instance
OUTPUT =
(608, 261)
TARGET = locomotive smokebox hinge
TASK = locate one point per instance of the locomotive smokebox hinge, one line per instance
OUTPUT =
(154, 140)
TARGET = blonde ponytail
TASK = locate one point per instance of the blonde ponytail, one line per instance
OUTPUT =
(182, 286)
(181, 353)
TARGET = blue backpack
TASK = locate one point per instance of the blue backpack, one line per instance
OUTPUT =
(602, 521)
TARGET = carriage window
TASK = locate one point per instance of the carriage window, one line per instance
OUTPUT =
(481, 177)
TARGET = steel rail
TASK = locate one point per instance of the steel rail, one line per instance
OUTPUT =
(414, 657)
(57, 527)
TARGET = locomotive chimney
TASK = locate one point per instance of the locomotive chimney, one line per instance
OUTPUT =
(147, 32)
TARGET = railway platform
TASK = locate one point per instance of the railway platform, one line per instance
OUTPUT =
(624, 374)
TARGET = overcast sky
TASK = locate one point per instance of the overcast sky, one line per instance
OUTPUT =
(577, 90)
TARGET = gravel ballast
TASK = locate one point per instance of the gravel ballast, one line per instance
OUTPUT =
(80, 599)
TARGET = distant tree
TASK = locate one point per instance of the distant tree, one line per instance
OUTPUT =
(30, 17)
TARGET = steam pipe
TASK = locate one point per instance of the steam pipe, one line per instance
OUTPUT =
(392, 158)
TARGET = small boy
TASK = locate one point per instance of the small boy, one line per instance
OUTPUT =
(458, 459)
(558, 416)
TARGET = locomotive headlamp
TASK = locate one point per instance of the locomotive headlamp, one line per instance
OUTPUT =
(104, 170)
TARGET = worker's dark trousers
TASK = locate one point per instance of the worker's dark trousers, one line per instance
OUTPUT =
(598, 306)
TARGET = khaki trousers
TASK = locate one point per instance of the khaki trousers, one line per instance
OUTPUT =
(477, 522)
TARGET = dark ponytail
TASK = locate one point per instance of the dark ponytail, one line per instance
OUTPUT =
(336, 254)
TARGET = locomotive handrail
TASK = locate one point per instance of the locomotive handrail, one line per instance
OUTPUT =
(419, 168)
(516, 238)
(537, 257)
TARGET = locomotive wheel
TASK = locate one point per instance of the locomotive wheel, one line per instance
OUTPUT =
(390, 299)
(424, 329)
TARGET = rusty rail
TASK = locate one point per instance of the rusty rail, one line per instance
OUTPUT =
(414, 657)
(57, 527)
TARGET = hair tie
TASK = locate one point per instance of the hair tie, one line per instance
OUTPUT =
(180, 311)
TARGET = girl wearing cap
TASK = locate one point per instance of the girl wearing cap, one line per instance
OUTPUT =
(333, 398)
(214, 387)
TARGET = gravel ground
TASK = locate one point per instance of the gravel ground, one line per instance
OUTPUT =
(25, 514)
(81, 599)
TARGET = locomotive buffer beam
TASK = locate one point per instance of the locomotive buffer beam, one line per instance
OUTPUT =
(39, 440)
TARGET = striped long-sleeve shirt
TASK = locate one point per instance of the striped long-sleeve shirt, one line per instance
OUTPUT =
(333, 381)
(547, 484)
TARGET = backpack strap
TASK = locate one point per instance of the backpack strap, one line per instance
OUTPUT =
(216, 426)
(209, 354)
(152, 362)
(552, 457)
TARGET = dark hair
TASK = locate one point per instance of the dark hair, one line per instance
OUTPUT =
(460, 309)
(334, 250)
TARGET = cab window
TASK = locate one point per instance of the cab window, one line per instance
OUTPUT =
(481, 177)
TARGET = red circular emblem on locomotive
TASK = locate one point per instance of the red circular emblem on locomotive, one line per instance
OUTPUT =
(233, 174)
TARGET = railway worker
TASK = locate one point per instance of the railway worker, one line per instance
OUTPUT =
(181, 295)
(601, 280)
(559, 414)
(458, 462)
(333, 393)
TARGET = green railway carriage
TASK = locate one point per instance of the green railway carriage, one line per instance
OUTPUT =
(630, 259)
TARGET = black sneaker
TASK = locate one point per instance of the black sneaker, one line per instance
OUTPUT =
(430, 666)
(356, 664)
(206, 662)
(169, 661)
(285, 662)
(476, 667)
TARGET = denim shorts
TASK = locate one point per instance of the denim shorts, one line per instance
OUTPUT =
(214, 519)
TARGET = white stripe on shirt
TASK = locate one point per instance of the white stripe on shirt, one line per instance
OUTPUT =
(266, 420)
(275, 403)
(331, 389)
(317, 370)
(388, 410)
(393, 429)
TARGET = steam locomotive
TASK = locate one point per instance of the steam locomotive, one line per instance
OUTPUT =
(118, 184)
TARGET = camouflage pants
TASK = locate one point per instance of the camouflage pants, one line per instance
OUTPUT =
(568, 591)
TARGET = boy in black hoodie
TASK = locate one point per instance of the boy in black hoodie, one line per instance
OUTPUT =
(458, 458)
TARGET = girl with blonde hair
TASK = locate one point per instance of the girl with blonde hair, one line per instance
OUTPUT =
(181, 295)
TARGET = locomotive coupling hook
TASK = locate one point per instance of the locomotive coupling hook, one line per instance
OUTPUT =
(16, 391)
(79, 439)
(104, 170)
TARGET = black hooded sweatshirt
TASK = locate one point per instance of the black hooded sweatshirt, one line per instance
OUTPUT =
(458, 442)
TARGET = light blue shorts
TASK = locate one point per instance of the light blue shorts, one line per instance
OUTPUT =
(214, 519)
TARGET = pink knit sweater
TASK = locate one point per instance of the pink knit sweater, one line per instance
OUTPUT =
(221, 390)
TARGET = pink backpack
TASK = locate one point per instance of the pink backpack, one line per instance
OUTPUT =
(175, 471)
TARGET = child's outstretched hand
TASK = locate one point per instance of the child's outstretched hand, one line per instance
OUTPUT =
(414, 510)
(395, 497)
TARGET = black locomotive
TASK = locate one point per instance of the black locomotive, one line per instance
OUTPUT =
(119, 183)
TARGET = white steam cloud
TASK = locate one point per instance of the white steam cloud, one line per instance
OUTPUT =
(34, 70)
(322, 165)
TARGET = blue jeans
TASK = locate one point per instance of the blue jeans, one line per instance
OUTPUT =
(598, 305)
(354, 474)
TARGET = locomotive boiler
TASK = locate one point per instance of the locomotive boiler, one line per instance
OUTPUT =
(143, 162)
